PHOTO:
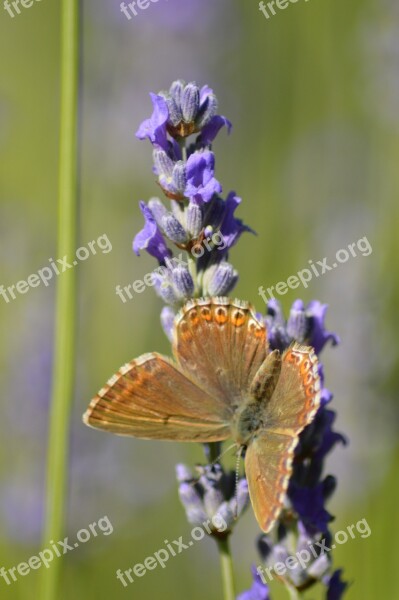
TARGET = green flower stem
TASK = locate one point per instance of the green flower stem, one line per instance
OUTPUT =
(183, 147)
(214, 452)
(292, 544)
(293, 593)
(226, 566)
(64, 367)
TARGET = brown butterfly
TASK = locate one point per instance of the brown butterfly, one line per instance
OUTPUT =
(223, 383)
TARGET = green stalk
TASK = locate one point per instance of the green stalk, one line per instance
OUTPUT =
(293, 593)
(64, 367)
(226, 567)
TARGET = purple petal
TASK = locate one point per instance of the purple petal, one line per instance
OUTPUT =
(309, 504)
(258, 591)
(154, 128)
(326, 419)
(319, 336)
(231, 228)
(150, 238)
(167, 322)
(205, 92)
(201, 183)
(336, 587)
(325, 396)
(212, 128)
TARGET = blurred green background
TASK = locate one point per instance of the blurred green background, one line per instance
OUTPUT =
(313, 94)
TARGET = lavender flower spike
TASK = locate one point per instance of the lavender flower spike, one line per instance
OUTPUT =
(203, 228)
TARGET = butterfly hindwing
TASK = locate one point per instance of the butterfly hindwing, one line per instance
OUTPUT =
(292, 406)
(296, 397)
(268, 462)
(151, 398)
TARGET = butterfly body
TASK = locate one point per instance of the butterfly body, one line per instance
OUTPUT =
(252, 416)
(224, 382)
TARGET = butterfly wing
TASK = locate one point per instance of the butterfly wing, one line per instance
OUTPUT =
(293, 405)
(268, 467)
(296, 398)
(221, 344)
(151, 398)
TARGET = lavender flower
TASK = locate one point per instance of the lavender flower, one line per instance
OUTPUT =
(150, 238)
(336, 587)
(219, 279)
(183, 110)
(211, 129)
(154, 128)
(167, 321)
(198, 221)
(230, 227)
(214, 493)
(201, 183)
(304, 563)
(304, 324)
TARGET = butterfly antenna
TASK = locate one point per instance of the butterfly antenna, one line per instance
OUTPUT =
(239, 454)
(217, 459)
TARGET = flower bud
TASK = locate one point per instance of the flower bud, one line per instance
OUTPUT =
(173, 229)
(297, 323)
(190, 102)
(194, 219)
(207, 111)
(220, 279)
(183, 282)
(167, 321)
(176, 91)
(163, 285)
(163, 164)
(175, 114)
(158, 210)
(179, 178)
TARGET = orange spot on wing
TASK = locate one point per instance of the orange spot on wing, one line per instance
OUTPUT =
(221, 316)
(206, 313)
(238, 318)
(193, 316)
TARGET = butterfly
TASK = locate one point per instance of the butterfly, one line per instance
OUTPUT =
(224, 382)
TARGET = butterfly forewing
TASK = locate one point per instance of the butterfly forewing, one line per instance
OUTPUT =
(222, 343)
(151, 398)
